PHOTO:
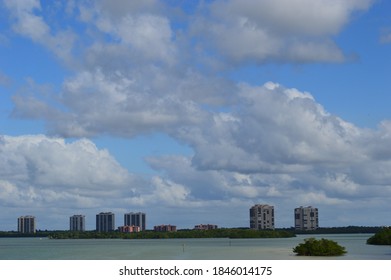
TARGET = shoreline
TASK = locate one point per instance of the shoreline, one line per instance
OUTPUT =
(232, 233)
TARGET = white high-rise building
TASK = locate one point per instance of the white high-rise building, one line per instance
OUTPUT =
(306, 218)
(77, 223)
(262, 216)
(26, 224)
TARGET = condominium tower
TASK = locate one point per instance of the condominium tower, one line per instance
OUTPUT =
(262, 216)
(135, 219)
(77, 223)
(105, 222)
(306, 218)
(26, 224)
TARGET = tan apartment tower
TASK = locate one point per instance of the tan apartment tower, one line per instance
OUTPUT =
(262, 217)
(306, 218)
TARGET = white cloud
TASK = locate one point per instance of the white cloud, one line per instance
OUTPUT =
(142, 32)
(279, 130)
(50, 162)
(263, 31)
(258, 31)
(28, 23)
(42, 175)
(135, 76)
(136, 30)
(307, 17)
(38, 171)
(125, 103)
(280, 145)
(116, 9)
(128, 106)
(332, 191)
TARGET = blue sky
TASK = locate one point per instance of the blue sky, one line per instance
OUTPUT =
(194, 112)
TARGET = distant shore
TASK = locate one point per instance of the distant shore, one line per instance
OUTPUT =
(212, 233)
(191, 233)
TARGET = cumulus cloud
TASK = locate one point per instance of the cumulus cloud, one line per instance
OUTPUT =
(29, 22)
(123, 104)
(280, 145)
(239, 31)
(264, 31)
(48, 173)
(52, 163)
(52, 178)
(272, 128)
(131, 31)
(125, 86)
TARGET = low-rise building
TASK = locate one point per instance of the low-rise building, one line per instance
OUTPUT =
(205, 227)
(129, 229)
(164, 228)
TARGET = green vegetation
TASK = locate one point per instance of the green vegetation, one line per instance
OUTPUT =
(322, 247)
(18, 234)
(383, 237)
(338, 230)
(215, 233)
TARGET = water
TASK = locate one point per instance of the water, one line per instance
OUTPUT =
(182, 249)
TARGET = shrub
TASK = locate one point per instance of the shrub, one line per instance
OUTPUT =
(383, 237)
(322, 247)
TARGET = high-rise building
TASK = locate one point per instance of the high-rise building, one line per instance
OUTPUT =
(105, 222)
(26, 224)
(306, 218)
(262, 216)
(135, 219)
(77, 223)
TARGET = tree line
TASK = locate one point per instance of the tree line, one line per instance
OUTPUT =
(212, 233)
(190, 233)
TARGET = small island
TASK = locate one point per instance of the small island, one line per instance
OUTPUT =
(322, 247)
(382, 237)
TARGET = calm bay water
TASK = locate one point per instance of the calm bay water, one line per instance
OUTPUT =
(182, 249)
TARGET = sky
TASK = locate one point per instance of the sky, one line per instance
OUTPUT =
(194, 111)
